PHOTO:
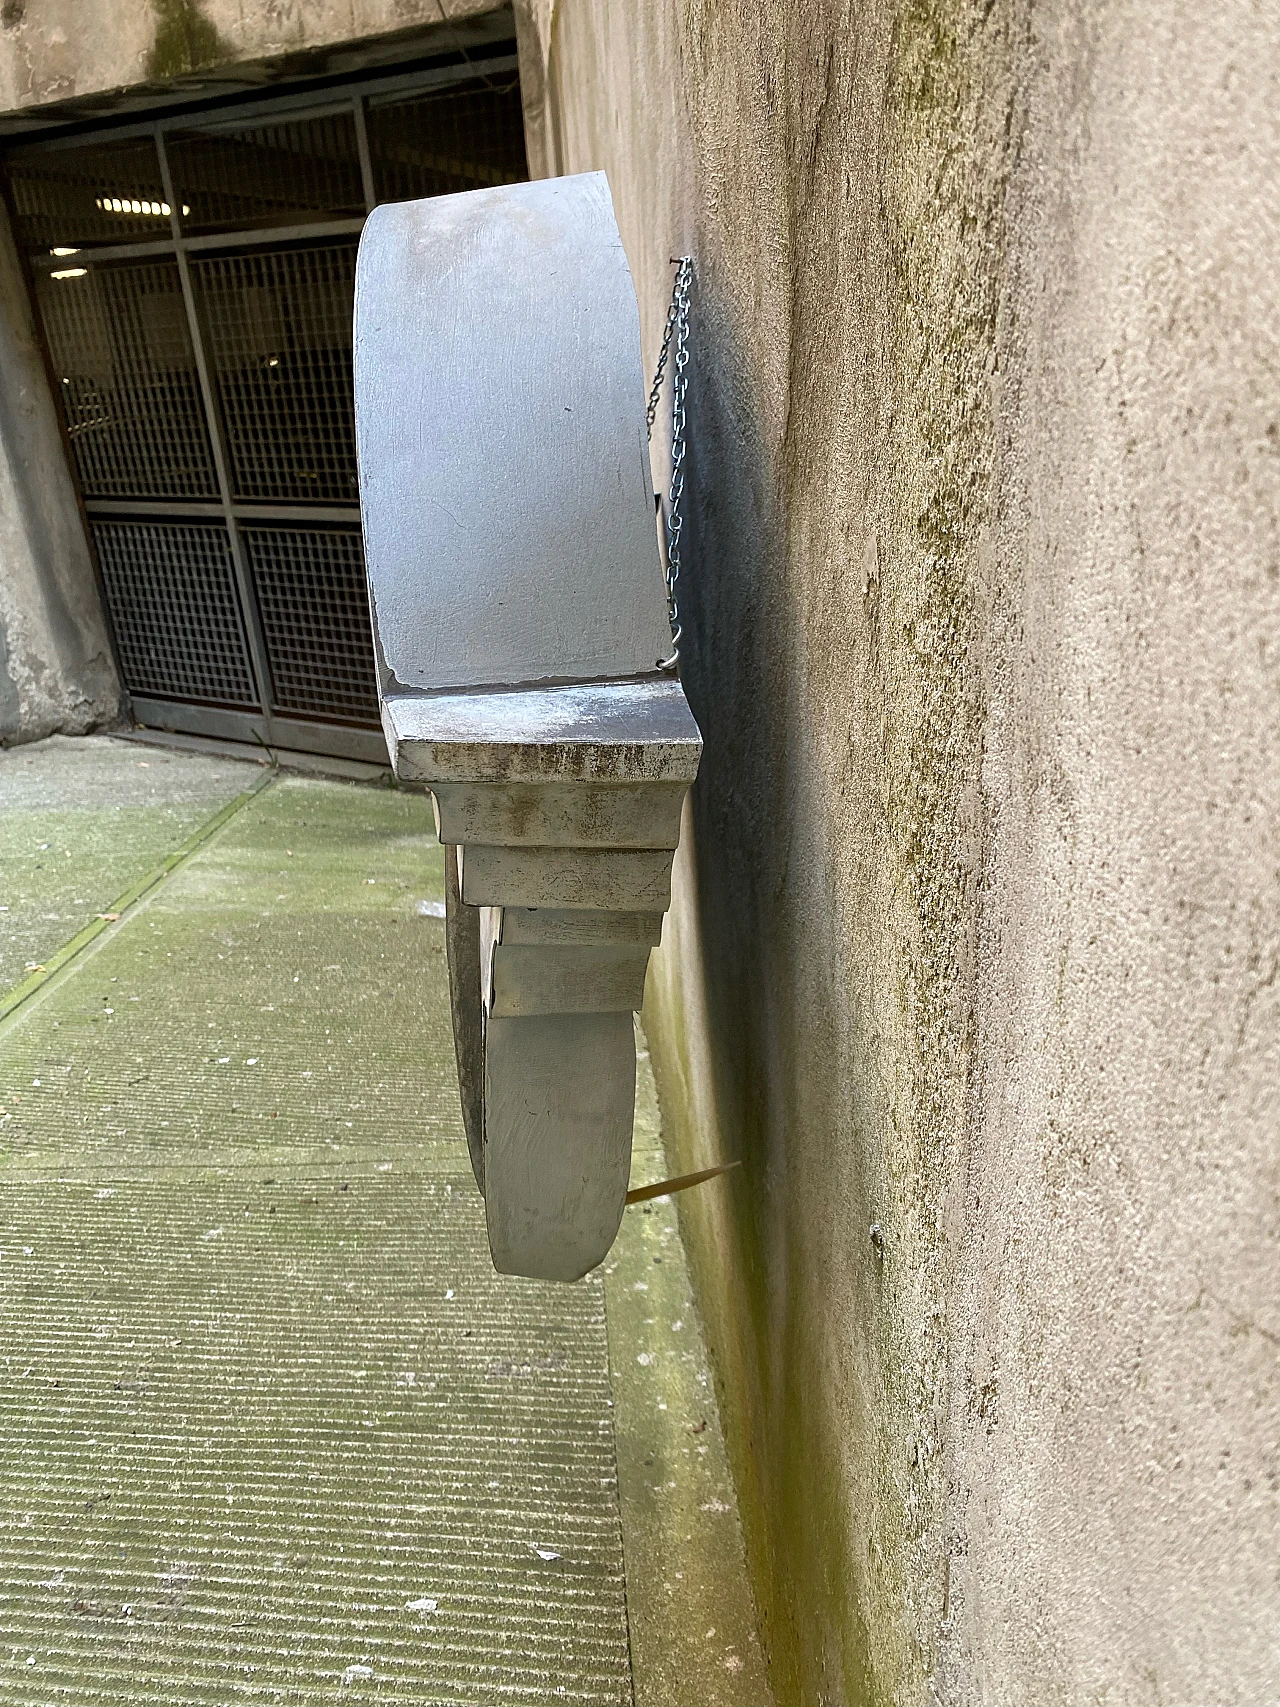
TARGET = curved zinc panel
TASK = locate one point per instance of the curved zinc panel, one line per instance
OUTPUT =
(500, 414)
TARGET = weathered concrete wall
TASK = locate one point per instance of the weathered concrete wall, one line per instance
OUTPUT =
(79, 54)
(56, 669)
(52, 50)
(974, 954)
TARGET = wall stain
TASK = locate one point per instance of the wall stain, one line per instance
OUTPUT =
(10, 701)
(185, 40)
(812, 1012)
(947, 163)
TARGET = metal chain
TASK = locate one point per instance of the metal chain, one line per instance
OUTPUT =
(677, 331)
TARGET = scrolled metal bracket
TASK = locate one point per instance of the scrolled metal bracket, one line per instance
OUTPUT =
(519, 606)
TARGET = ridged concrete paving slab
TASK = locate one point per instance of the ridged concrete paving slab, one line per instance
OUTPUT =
(83, 818)
(251, 1455)
(280, 993)
(272, 1429)
(275, 1429)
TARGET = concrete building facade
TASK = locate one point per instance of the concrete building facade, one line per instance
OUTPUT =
(973, 952)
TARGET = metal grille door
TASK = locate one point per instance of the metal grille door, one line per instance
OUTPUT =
(279, 342)
(194, 278)
(178, 624)
(126, 367)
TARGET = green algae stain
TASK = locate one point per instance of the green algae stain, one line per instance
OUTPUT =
(185, 40)
(948, 117)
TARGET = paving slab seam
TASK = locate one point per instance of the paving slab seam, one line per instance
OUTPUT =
(276, 1429)
(44, 976)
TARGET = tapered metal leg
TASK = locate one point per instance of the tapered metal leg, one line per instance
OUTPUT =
(559, 1105)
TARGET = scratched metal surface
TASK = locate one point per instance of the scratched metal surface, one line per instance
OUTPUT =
(273, 1429)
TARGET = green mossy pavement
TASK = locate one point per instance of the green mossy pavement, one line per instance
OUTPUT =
(272, 1427)
(83, 819)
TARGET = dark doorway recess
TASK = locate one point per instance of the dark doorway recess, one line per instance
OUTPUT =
(193, 276)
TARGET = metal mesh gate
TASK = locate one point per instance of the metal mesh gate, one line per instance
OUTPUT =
(126, 370)
(177, 619)
(279, 343)
(194, 279)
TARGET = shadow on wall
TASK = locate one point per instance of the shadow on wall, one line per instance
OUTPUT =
(745, 1023)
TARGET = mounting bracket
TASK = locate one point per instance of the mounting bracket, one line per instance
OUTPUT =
(519, 615)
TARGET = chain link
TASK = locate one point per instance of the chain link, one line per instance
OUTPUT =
(676, 332)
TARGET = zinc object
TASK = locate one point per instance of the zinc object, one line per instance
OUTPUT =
(520, 624)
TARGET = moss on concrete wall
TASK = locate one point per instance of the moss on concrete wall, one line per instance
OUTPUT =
(59, 50)
(185, 40)
(910, 592)
(841, 188)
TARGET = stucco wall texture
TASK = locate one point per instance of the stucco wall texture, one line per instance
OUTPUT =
(974, 953)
